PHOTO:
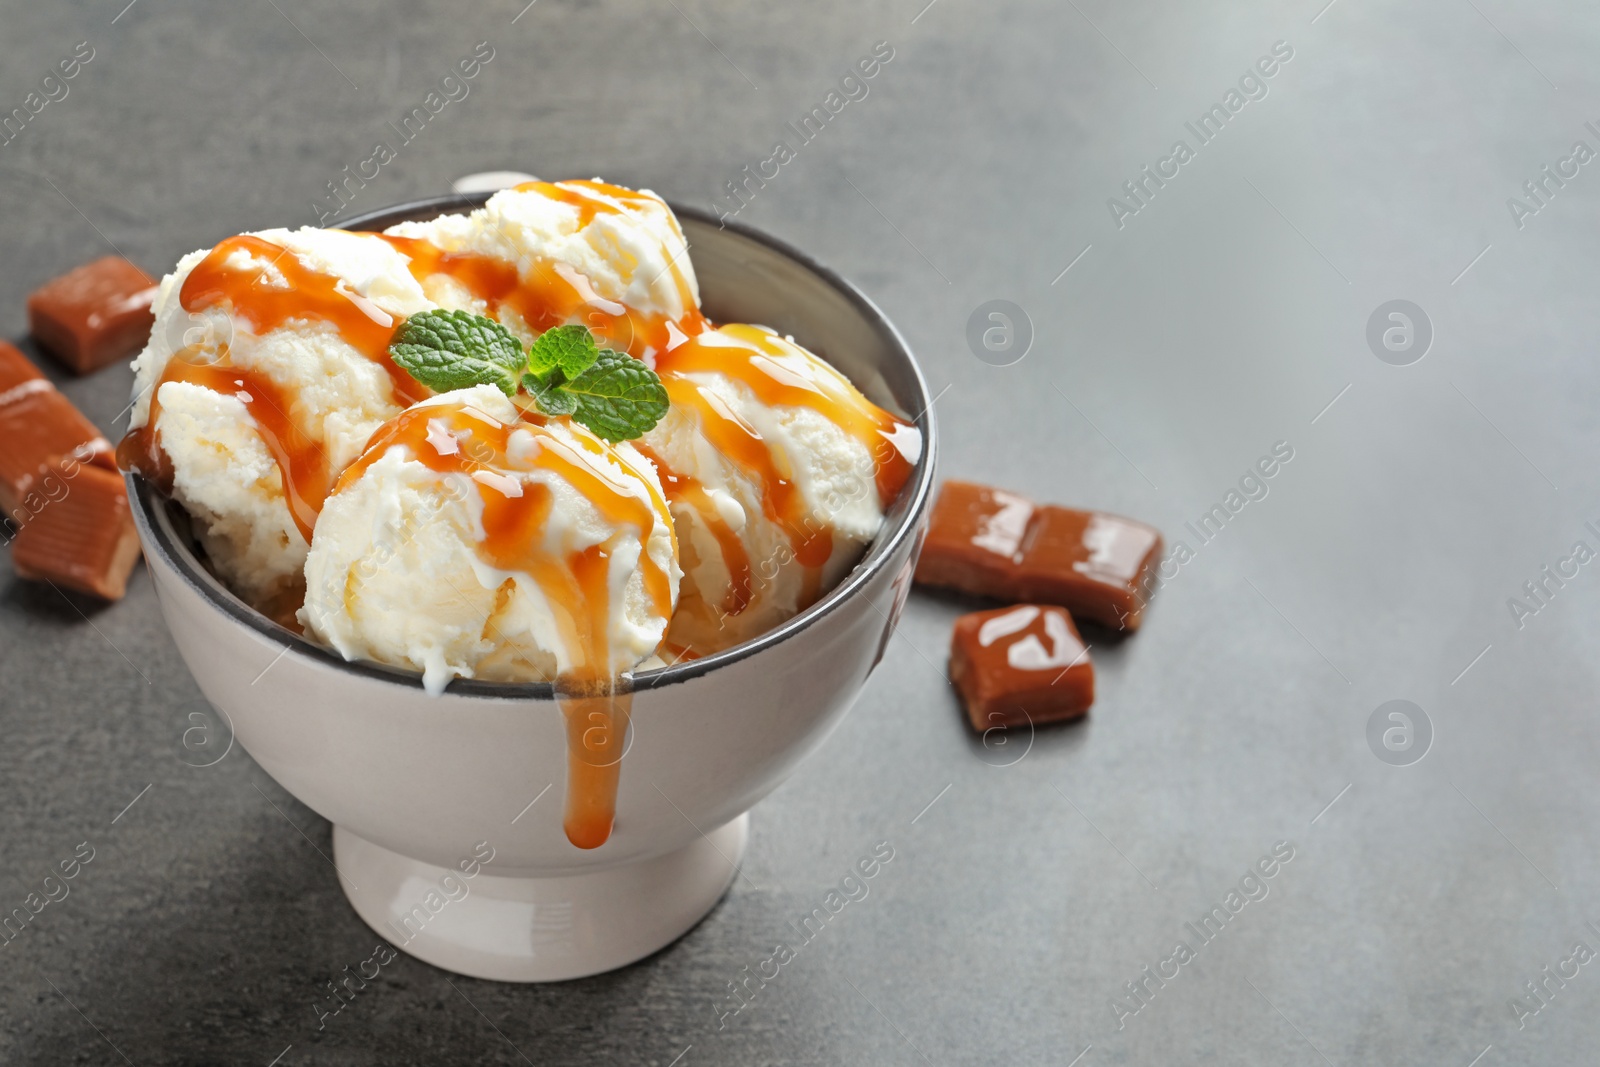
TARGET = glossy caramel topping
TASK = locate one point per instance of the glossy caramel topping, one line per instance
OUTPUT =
(249, 292)
(779, 374)
(593, 198)
(672, 653)
(460, 439)
(301, 459)
(553, 293)
(687, 491)
(741, 444)
(247, 289)
(782, 374)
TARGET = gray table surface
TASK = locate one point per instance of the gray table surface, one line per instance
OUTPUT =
(1168, 354)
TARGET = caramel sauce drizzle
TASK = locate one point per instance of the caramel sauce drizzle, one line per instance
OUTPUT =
(779, 374)
(672, 653)
(248, 293)
(595, 703)
(552, 293)
(302, 461)
(738, 441)
(593, 198)
(688, 491)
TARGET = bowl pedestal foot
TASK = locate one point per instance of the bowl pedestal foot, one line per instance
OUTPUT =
(515, 929)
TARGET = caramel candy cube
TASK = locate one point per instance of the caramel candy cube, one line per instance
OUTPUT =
(996, 544)
(15, 368)
(973, 540)
(1093, 564)
(83, 537)
(37, 424)
(93, 315)
(1019, 665)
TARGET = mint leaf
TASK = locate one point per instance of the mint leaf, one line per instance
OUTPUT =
(569, 349)
(447, 350)
(552, 399)
(618, 397)
(613, 394)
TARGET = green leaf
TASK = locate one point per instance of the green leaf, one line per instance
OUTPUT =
(552, 399)
(447, 350)
(569, 349)
(618, 397)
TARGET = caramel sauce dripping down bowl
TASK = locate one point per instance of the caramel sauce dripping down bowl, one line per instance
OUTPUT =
(447, 811)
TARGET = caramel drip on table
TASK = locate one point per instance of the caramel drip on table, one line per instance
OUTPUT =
(593, 700)
(249, 294)
(553, 293)
(780, 374)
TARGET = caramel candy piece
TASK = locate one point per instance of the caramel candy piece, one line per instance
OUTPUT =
(973, 540)
(1091, 563)
(37, 424)
(992, 543)
(1019, 665)
(83, 538)
(15, 368)
(93, 315)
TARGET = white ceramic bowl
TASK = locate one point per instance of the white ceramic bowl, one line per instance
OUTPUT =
(421, 789)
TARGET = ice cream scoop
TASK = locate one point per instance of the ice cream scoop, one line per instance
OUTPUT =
(472, 541)
(545, 254)
(778, 472)
(265, 374)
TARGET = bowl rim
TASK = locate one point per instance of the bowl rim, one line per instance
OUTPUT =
(150, 505)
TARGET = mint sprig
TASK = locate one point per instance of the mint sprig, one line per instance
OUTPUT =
(552, 399)
(569, 349)
(618, 397)
(447, 350)
(566, 372)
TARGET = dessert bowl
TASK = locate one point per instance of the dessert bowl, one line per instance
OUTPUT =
(447, 810)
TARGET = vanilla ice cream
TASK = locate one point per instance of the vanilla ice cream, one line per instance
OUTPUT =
(547, 253)
(266, 372)
(470, 539)
(468, 542)
(778, 472)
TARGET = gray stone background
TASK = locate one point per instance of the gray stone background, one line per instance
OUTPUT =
(1228, 314)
